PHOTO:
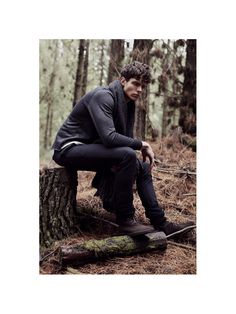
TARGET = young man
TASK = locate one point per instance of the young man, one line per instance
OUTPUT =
(98, 136)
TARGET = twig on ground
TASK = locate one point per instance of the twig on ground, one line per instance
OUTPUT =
(49, 254)
(175, 172)
(181, 245)
(180, 231)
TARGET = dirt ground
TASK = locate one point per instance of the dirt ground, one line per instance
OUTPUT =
(174, 177)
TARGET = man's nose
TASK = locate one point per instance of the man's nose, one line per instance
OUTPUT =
(139, 89)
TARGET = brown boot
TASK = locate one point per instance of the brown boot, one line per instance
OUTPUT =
(130, 227)
(176, 229)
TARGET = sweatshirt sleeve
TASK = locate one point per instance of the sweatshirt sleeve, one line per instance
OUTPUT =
(101, 108)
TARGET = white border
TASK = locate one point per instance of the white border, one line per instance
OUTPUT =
(23, 23)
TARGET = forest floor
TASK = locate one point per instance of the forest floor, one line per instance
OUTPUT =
(174, 177)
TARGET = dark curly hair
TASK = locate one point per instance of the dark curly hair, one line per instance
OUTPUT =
(137, 70)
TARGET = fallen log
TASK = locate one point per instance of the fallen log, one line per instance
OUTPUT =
(94, 250)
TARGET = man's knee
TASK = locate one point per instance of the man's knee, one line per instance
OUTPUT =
(143, 168)
(129, 153)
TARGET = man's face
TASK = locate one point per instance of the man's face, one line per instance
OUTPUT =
(132, 88)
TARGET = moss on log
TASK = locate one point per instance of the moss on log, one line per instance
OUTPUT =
(94, 250)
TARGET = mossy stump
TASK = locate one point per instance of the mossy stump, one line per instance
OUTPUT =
(57, 211)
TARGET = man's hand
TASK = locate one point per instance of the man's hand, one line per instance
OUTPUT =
(147, 151)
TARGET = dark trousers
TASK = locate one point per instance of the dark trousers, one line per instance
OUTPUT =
(97, 157)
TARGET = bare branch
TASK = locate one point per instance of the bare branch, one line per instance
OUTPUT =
(182, 245)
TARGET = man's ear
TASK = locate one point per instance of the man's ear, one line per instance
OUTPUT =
(122, 80)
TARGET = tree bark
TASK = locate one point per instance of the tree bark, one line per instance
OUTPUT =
(140, 53)
(50, 99)
(164, 78)
(94, 250)
(85, 72)
(188, 107)
(101, 63)
(58, 188)
(117, 54)
(79, 72)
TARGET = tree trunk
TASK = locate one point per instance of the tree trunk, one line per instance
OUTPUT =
(85, 72)
(117, 54)
(164, 117)
(140, 53)
(50, 99)
(93, 250)
(79, 72)
(188, 107)
(58, 188)
(101, 63)
(164, 79)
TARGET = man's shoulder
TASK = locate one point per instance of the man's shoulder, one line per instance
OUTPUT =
(103, 94)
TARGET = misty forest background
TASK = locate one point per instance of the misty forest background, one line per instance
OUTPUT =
(70, 68)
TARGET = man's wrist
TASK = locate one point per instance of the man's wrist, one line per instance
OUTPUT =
(145, 145)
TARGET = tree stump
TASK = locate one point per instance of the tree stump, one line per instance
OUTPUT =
(58, 188)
